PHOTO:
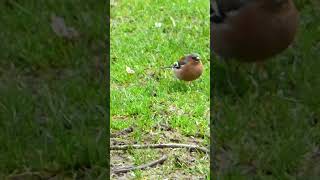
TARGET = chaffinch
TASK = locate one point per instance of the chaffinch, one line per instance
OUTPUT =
(252, 30)
(188, 68)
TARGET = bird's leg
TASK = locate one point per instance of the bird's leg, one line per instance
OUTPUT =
(229, 74)
(188, 83)
(261, 67)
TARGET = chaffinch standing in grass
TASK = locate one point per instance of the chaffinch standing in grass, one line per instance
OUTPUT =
(188, 68)
(252, 30)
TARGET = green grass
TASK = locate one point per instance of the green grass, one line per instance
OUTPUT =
(52, 104)
(268, 128)
(151, 95)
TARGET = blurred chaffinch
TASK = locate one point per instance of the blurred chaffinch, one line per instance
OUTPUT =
(252, 30)
(188, 68)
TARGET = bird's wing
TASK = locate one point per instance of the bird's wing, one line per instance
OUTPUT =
(183, 60)
(216, 14)
(220, 8)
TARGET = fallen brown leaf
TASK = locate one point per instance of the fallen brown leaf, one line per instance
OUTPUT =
(61, 29)
(129, 70)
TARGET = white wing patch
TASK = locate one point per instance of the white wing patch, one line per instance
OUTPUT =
(176, 65)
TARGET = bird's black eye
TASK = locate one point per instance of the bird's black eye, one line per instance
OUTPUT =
(196, 58)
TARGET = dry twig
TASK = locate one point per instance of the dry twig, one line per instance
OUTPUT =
(146, 146)
(122, 132)
(141, 167)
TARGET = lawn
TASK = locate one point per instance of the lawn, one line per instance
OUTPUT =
(145, 36)
(269, 128)
(53, 96)
(52, 104)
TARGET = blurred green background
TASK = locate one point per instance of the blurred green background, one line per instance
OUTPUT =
(52, 89)
(268, 128)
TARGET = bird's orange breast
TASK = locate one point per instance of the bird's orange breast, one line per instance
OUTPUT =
(189, 72)
(255, 33)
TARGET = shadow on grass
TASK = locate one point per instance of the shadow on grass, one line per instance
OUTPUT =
(231, 80)
(178, 86)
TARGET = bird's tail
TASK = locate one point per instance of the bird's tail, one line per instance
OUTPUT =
(166, 67)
